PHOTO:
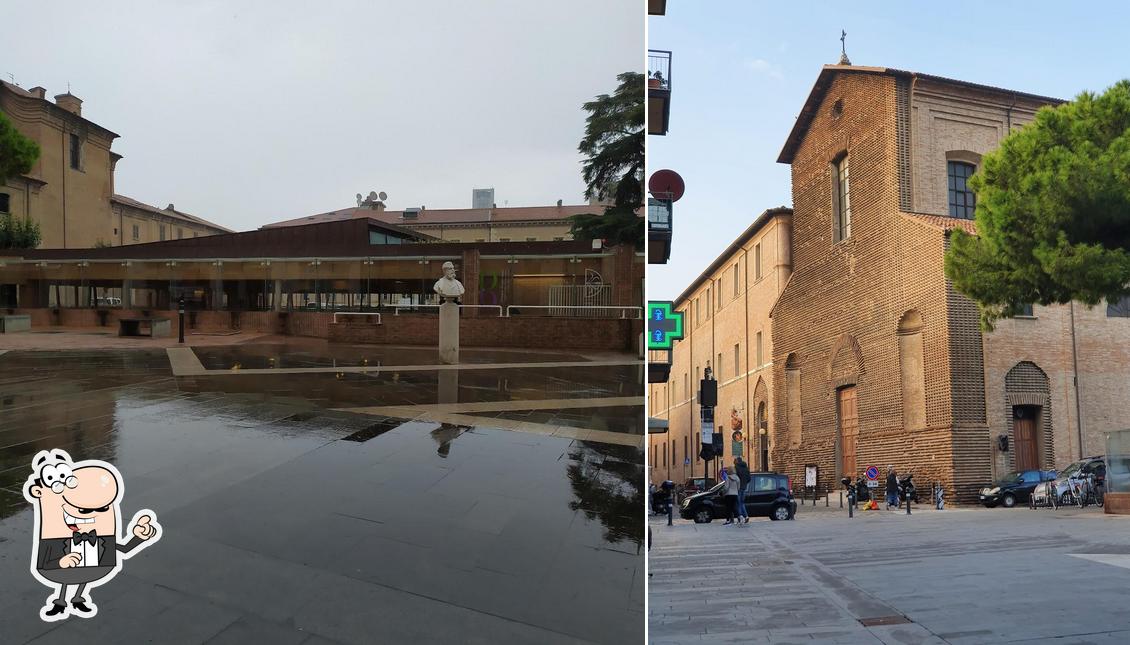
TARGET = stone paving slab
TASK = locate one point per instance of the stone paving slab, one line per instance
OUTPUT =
(968, 575)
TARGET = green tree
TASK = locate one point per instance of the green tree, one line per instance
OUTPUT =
(1053, 211)
(614, 161)
(17, 155)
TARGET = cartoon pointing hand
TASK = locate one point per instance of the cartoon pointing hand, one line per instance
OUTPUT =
(143, 529)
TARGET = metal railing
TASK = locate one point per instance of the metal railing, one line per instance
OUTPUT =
(396, 312)
(638, 311)
(658, 69)
(357, 313)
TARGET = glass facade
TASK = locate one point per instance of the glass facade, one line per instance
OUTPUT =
(300, 284)
(1118, 462)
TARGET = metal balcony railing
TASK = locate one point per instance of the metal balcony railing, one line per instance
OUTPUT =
(658, 69)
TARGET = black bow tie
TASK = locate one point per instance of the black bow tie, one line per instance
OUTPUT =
(78, 536)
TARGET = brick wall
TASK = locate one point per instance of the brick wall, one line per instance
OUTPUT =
(487, 331)
(840, 312)
(734, 319)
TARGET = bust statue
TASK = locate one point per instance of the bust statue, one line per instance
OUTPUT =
(448, 287)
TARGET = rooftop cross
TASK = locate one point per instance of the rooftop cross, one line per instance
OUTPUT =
(843, 48)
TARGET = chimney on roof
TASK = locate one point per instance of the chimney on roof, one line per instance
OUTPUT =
(39, 92)
(69, 102)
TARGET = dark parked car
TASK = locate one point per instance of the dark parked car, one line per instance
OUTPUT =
(768, 495)
(695, 485)
(1015, 487)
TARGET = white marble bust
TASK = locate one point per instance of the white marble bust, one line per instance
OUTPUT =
(448, 287)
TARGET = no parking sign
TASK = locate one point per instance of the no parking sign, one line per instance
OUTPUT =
(872, 473)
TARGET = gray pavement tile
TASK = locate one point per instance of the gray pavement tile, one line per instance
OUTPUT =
(249, 629)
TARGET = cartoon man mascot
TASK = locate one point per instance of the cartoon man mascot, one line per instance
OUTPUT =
(77, 540)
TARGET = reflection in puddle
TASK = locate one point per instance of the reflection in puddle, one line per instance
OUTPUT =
(608, 484)
(313, 353)
(445, 434)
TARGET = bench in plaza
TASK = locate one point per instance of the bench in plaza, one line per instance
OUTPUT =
(14, 322)
(157, 327)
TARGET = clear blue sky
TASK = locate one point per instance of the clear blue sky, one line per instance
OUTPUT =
(742, 69)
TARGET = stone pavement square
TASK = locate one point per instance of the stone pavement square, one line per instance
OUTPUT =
(962, 575)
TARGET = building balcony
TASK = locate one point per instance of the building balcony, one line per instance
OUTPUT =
(658, 230)
(656, 7)
(658, 91)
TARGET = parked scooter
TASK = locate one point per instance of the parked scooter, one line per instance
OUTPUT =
(906, 488)
(661, 499)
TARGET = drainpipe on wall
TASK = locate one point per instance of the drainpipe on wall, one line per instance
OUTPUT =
(748, 375)
(66, 149)
(1075, 380)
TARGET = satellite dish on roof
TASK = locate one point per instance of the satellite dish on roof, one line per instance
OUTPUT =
(666, 184)
(372, 195)
(360, 199)
(383, 196)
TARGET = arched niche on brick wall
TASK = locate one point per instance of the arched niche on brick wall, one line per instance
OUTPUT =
(761, 424)
(912, 369)
(846, 364)
(792, 400)
(1027, 403)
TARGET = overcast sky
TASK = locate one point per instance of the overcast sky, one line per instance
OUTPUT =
(741, 70)
(245, 113)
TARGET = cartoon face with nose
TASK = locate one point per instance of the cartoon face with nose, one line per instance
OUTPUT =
(77, 528)
(76, 499)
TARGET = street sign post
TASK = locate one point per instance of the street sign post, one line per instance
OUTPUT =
(664, 325)
(707, 425)
(872, 473)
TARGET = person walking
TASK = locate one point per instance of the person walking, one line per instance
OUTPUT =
(742, 471)
(892, 488)
(733, 484)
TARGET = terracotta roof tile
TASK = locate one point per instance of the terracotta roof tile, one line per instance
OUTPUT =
(175, 214)
(448, 215)
(943, 223)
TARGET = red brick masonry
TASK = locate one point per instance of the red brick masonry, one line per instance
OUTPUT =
(1117, 503)
(487, 331)
(529, 332)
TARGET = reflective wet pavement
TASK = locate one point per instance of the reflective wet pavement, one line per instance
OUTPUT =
(288, 519)
(314, 353)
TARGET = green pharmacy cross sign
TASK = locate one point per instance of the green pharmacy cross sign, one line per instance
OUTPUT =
(664, 325)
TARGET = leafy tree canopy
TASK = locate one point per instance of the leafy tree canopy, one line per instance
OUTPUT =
(614, 161)
(17, 152)
(1053, 211)
(17, 155)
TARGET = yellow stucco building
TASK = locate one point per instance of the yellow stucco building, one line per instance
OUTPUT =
(70, 189)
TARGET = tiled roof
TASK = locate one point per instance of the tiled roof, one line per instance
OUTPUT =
(175, 214)
(449, 215)
(19, 91)
(943, 223)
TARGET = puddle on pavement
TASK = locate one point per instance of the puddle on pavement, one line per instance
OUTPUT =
(306, 354)
(125, 407)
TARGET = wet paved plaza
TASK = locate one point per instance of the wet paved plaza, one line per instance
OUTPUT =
(295, 512)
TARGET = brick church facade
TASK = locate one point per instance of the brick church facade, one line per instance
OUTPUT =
(876, 359)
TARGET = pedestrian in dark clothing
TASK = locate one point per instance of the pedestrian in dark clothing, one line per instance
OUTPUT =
(742, 471)
(731, 499)
(892, 488)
